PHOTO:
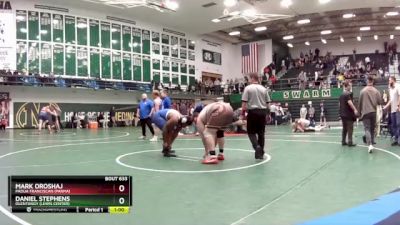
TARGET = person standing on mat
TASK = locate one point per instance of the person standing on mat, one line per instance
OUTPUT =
(112, 116)
(254, 101)
(394, 104)
(143, 112)
(369, 100)
(170, 122)
(157, 104)
(166, 101)
(210, 123)
(348, 114)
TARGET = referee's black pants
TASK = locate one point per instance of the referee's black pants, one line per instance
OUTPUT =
(143, 123)
(256, 130)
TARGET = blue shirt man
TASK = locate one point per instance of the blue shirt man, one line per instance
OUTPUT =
(145, 107)
(143, 112)
(166, 101)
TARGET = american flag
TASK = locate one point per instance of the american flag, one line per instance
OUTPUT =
(250, 58)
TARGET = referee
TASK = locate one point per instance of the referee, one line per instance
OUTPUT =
(254, 101)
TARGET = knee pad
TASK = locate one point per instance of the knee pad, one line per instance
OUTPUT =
(220, 134)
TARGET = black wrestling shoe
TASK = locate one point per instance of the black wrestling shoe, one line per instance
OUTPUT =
(259, 154)
(169, 155)
(344, 143)
(171, 151)
(364, 139)
(351, 145)
(394, 143)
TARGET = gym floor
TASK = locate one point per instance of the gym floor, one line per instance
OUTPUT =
(304, 177)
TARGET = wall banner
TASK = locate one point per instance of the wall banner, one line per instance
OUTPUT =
(26, 113)
(7, 36)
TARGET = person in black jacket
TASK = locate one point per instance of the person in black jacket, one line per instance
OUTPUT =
(348, 114)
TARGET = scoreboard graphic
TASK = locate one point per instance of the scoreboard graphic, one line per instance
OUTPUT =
(70, 194)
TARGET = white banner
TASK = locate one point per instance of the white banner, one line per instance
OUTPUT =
(7, 40)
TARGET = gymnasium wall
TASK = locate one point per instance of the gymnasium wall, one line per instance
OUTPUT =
(231, 62)
(367, 45)
(85, 42)
(76, 96)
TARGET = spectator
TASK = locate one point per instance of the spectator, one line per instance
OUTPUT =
(287, 116)
(101, 120)
(166, 101)
(236, 85)
(303, 112)
(311, 115)
(112, 116)
(369, 100)
(3, 121)
(272, 110)
(394, 104)
(322, 120)
(348, 114)
(302, 78)
(217, 86)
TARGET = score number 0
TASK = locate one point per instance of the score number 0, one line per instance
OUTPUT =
(121, 188)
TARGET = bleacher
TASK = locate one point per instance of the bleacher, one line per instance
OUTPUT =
(70, 82)
(381, 60)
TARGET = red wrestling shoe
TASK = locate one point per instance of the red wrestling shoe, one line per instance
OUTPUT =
(210, 160)
(221, 157)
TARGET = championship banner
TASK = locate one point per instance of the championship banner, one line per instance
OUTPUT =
(5, 109)
(293, 95)
(333, 93)
(26, 114)
(7, 37)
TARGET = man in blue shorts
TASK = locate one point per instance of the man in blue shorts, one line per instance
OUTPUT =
(170, 122)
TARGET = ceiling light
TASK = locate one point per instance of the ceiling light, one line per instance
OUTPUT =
(170, 4)
(323, 41)
(290, 45)
(230, 3)
(365, 28)
(324, 1)
(358, 38)
(286, 3)
(307, 43)
(341, 39)
(216, 20)
(348, 15)
(391, 36)
(288, 37)
(376, 37)
(325, 32)
(392, 13)
(234, 13)
(303, 21)
(234, 33)
(193, 42)
(249, 12)
(397, 28)
(258, 29)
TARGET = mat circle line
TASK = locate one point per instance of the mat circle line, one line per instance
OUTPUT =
(118, 161)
